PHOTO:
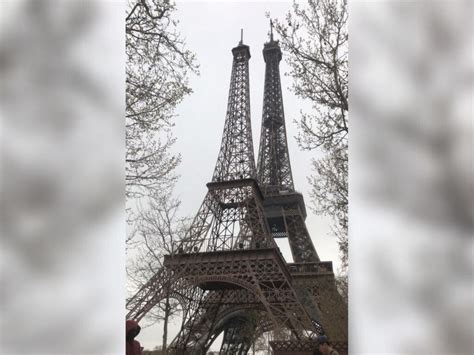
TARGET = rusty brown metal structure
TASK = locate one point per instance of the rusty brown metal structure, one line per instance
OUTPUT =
(284, 208)
(285, 211)
(228, 272)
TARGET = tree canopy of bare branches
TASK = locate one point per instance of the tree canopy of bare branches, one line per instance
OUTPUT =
(157, 69)
(158, 64)
(158, 230)
(316, 41)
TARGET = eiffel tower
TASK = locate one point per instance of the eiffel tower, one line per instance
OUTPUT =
(285, 211)
(228, 273)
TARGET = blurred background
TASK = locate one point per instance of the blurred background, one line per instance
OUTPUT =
(411, 177)
(62, 84)
(62, 177)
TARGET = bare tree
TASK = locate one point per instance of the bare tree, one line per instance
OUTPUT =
(156, 81)
(329, 194)
(157, 232)
(316, 40)
(157, 69)
(260, 344)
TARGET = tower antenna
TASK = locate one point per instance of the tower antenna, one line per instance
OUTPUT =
(241, 36)
(271, 30)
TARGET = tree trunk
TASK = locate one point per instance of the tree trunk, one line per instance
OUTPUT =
(165, 325)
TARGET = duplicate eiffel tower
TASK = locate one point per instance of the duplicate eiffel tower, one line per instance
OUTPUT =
(285, 211)
(228, 272)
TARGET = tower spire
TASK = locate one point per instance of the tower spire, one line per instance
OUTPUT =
(236, 157)
(271, 30)
(274, 169)
(241, 37)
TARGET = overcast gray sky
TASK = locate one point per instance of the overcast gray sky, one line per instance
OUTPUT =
(211, 30)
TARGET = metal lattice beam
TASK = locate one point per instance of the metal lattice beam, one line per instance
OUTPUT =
(274, 168)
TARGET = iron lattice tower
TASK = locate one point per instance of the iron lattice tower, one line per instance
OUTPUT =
(284, 207)
(274, 168)
(228, 273)
(286, 212)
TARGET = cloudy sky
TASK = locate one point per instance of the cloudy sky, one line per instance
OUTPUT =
(211, 30)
